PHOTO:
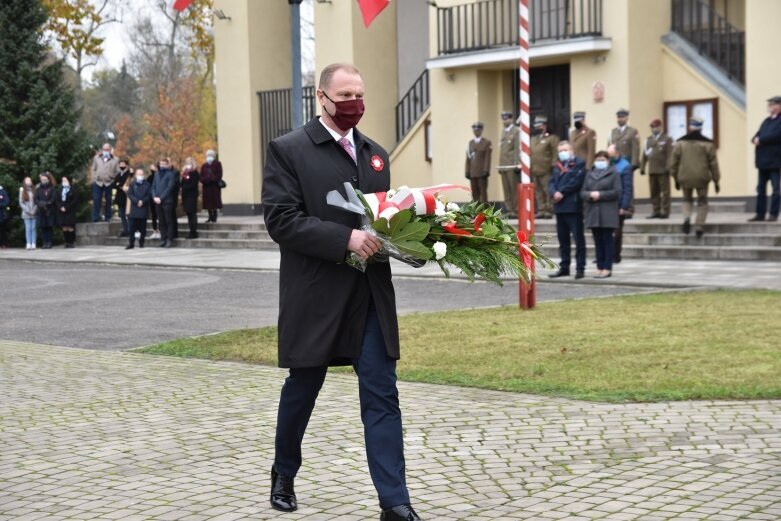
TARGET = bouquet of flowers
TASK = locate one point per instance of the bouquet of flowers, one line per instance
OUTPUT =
(418, 225)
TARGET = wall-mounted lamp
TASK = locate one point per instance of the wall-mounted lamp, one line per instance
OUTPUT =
(323, 1)
(220, 15)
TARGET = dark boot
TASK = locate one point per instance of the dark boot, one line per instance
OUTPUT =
(283, 494)
(399, 513)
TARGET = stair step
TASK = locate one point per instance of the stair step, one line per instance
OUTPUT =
(254, 244)
(683, 252)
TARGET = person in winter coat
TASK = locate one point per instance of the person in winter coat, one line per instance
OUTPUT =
(120, 197)
(45, 201)
(693, 166)
(211, 179)
(153, 207)
(564, 190)
(625, 205)
(601, 194)
(767, 158)
(189, 187)
(29, 211)
(139, 193)
(66, 201)
(163, 195)
(4, 202)
(105, 167)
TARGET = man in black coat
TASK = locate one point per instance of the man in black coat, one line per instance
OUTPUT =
(768, 161)
(564, 189)
(329, 312)
(164, 191)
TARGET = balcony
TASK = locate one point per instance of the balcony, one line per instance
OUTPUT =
(487, 30)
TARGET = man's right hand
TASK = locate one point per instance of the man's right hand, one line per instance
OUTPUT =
(363, 244)
(157, 200)
(558, 196)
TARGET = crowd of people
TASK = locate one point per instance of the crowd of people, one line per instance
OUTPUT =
(138, 195)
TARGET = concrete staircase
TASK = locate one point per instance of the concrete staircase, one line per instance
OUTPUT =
(727, 236)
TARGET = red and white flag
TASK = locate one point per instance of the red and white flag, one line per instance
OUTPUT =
(371, 8)
(181, 5)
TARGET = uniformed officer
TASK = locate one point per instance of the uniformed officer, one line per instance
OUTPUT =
(693, 166)
(509, 154)
(655, 161)
(544, 147)
(478, 163)
(626, 139)
(583, 139)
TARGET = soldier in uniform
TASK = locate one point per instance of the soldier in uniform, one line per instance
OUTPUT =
(626, 139)
(656, 160)
(544, 147)
(583, 139)
(478, 163)
(509, 152)
(693, 166)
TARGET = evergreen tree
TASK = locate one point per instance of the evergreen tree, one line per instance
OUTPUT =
(39, 122)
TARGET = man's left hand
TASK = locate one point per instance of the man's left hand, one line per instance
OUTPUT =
(621, 212)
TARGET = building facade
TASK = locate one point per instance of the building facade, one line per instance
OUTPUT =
(433, 68)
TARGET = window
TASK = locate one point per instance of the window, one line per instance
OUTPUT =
(677, 114)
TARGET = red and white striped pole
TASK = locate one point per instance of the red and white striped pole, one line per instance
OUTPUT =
(528, 292)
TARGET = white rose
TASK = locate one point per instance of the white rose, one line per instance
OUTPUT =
(439, 211)
(440, 250)
(453, 207)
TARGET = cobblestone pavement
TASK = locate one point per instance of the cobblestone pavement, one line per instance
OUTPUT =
(90, 435)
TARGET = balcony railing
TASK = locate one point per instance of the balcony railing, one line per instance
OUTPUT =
(275, 113)
(412, 105)
(491, 24)
(712, 35)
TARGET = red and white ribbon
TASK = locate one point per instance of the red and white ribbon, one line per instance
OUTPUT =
(424, 200)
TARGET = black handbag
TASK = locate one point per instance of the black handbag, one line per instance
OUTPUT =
(221, 183)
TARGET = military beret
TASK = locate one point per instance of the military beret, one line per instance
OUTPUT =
(775, 100)
(579, 116)
(506, 114)
(622, 112)
(477, 124)
(696, 122)
(656, 122)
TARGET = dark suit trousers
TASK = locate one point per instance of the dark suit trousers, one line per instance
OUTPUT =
(380, 414)
(571, 225)
(479, 187)
(137, 225)
(773, 177)
(603, 247)
(167, 216)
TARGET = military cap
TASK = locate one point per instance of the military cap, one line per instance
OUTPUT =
(695, 122)
(477, 124)
(506, 114)
(656, 122)
(579, 116)
(775, 100)
(622, 112)
(540, 120)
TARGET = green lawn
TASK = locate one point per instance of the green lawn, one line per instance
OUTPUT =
(668, 346)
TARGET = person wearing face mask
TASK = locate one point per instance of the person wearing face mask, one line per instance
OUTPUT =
(105, 168)
(120, 197)
(189, 187)
(46, 204)
(564, 190)
(478, 163)
(153, 207)
(657, 149)
(211, 179)
(767, 159)
(66, 201)
(601, 193)
(544, 150)
(583, 139)
(625, 206)
(4, 202)
(350, 315)
(163, 195)
(139, 194)
(29, 211)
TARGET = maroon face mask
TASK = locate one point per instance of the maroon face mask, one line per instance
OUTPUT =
(348, 113)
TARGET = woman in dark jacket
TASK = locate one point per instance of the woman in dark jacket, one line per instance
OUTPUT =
(45, 202)
(139, 193)
(66, 200)
(189, 186)
(120, 196)
(601, 193)
(211, 178)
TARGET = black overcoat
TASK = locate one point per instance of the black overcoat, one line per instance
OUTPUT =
(189, 185)
(323, 302)
(44, 200)
(68, 217)
(139, 192)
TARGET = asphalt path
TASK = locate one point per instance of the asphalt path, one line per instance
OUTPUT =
(120, 307)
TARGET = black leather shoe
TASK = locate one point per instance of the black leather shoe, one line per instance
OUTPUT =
(283, 496)
(772, 219)
(579, 275)
(162, 244)
(399, 513)
(129, 247)
(560, 273)
(756, 218)
(700, 233)
(664, 216)
(687, 227)
(616, 260)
